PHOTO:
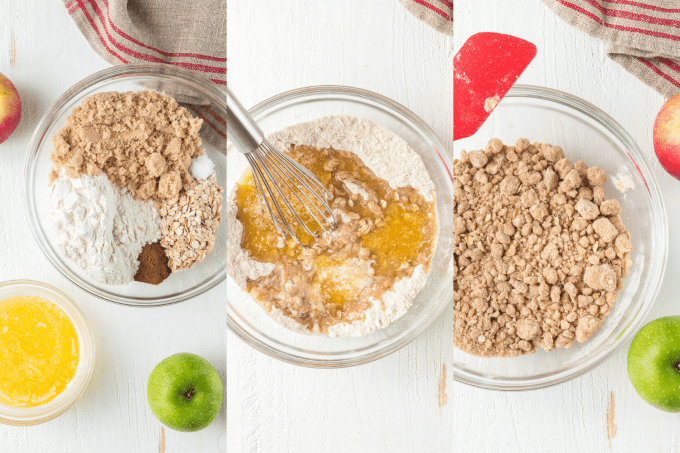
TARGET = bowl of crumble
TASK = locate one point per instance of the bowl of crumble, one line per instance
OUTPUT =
(576, 258)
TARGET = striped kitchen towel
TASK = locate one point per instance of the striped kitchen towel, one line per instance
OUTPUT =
(643, 35)
(436, 13)
(187, 34)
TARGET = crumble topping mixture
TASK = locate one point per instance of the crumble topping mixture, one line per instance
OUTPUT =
(366, 272)
(382, 236)
(539, 252)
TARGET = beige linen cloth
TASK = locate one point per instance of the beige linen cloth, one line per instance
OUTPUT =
(190, 34)
(436, 13)
(643, 35)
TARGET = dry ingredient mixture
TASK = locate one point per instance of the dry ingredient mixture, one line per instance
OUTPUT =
(122, 159)
(364, 274)
(539, 252)
(153, 265)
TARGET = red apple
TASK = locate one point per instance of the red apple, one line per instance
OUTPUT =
(10, 108)
(667, 136)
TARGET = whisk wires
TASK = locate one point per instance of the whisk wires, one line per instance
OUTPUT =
(274, 172)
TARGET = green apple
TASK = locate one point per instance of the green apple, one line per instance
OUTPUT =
(185, 392)
(654, 363)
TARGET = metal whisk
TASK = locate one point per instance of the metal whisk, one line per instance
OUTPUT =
(273, 170)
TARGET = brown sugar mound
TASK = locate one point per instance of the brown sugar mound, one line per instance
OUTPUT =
(539, 253)
(142, 140)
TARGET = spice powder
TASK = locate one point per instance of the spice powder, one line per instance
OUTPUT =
(153, 265)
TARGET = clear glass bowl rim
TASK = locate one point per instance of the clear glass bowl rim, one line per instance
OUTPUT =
(446, 298)
(37, 415)
(598, 116)
(114, 72)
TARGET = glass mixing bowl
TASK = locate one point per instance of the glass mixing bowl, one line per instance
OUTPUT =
(585, 133)
(248, 320)
(187, 88)
(39, 414)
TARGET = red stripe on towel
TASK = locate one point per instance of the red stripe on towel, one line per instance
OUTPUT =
(81, 5)
(433, 8)
(659, 71)
(634, 16)
(201, 116)
(643, 5)
(590, 15)
(167, 54)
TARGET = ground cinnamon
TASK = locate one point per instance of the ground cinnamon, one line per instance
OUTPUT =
(153, 265)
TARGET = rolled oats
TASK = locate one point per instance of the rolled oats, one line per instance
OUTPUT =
(189, 224)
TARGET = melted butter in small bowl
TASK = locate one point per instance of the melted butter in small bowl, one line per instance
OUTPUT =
(46, 352)
(38, 350)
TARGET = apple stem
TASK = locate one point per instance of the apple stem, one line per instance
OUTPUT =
(190, 393)
(677, 366)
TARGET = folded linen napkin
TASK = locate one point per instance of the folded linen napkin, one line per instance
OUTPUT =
(643, 35)
(188, 34)
(436, 13)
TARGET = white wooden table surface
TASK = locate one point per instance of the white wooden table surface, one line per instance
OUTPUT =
(573, 416)
(386, 406)
(43, 53)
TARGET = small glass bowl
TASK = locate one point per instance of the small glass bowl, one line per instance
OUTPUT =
(34, 415)
(248, 320)
(184, 86)
(585, 133)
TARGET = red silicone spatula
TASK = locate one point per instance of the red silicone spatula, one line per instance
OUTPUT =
(484, 69)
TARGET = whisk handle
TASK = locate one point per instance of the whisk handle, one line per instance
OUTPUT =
(242, 131)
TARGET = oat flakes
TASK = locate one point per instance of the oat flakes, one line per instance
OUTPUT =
(189, 224)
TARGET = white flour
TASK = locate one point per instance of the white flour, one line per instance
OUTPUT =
(381, 150)
(356, 189)
(397, 302)
(623, 183)
(391, 159)
(101, 228)
(239, 265)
